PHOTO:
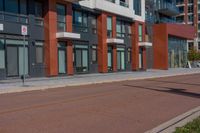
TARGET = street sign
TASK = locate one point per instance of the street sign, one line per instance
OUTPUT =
(24, 30)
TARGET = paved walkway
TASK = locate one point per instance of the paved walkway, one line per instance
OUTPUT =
(15, 85)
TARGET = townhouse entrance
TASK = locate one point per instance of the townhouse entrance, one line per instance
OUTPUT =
(140, 58)
(14, 58)
(110, 59)
(81, 58)
(120, 59)
(62, 58)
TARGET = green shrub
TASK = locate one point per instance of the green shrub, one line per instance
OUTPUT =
(192, 127)
(193, 55)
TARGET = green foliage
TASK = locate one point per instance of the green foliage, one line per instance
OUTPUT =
(193, 55)
(192, 127)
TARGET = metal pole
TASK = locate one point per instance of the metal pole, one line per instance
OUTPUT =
(24, 62)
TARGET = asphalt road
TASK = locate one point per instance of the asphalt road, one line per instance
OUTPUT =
(122, 107)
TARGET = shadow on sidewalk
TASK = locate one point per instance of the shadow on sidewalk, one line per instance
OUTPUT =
(170, 90)
(162, 81)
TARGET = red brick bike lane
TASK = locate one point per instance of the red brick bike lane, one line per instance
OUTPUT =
(120, 107)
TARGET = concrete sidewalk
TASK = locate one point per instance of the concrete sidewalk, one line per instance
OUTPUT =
(15, 85)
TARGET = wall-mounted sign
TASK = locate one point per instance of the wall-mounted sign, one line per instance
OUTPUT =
(24, 30)
(1, 27)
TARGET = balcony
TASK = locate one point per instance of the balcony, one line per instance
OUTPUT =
(168, 9)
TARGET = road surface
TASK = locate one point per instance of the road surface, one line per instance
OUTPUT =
(121, 107)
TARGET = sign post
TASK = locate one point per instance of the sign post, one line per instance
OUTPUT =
(24, 32)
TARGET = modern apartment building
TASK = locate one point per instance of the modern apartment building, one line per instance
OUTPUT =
(169, 38)
(67, 37)
(190, 14)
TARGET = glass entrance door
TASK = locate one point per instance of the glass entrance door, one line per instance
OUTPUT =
(61, 61)
(81, 58)
(15, 61)
(140, 59)
(110, 60)
(120, 59)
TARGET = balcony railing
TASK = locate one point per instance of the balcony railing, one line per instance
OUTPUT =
(169, 9)
(11, 17)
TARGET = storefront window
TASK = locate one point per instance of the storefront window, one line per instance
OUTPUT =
(61, 17)
(2, 54)
(39, 52)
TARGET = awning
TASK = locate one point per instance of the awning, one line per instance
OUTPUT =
(115, 40)
(67, 35)
(145, 44)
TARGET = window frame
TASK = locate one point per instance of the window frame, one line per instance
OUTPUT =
(61, 15)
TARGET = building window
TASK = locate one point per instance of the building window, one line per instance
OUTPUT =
(2, 54)
(137, 7)
(140, 32)
(199, 45)
(109, 27)
(129, 55)
(120, 29)
(94, 54)
(1, 5)
(80, 19)
(190, 45)
(23, 7)
(94, 24)
(11, 6)
(129, 30)
(39, 13)
(61, 17)
(39, 52)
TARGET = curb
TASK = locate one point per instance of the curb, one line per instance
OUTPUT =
(179, 121)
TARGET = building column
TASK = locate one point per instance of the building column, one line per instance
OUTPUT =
(135, 46)
(114, 35)
(70, 66)
(114, 58)
(51, 50)
(102, 43)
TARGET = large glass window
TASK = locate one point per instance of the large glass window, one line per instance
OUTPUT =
(2, 54)
(23, 7)
(80, 19)
(39, 52)
(137, 7)
(61, 17)
(38, 9)
(120, 29)
(39, 13)
(11, 6)
(109, 26)
(94, 24)
(81, 58)
(140, 32)
(1, 5)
